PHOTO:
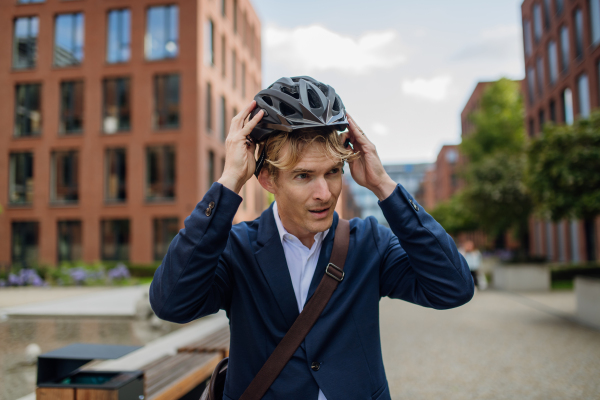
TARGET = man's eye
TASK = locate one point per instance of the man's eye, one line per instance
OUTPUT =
(301, 176)
(334, 171)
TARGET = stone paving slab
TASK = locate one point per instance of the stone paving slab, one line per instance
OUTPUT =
(113, 302)
(19, 296)
(496, 347)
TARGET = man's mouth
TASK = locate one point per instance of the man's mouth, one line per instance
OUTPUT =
(319, 212)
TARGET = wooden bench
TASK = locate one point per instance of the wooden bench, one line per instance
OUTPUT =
(215, 342)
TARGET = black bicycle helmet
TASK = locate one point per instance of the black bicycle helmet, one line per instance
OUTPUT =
(292, 104)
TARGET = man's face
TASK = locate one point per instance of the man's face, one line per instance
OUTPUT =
(307, 194)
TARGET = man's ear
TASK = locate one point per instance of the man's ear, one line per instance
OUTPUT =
(266, 181)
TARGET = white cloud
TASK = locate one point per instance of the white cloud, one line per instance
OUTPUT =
(434, 89)
(379, 129)
(315, 48)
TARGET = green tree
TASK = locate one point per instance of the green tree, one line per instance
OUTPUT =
(454, 216)
(495, 172)
(564, 170)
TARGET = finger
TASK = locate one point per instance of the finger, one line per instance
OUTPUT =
(357, 133)
(245, 112)
(252, 123)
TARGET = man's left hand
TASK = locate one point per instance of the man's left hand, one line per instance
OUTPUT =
(367, 170)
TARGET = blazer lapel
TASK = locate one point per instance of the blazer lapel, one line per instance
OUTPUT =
(271, 259)
(324, 256)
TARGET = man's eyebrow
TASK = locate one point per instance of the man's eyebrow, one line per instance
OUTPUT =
(294, 171)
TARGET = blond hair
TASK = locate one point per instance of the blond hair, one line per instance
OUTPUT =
(277, 158)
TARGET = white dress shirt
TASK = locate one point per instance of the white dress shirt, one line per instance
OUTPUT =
(301, 262)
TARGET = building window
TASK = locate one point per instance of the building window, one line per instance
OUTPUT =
(116, 105)
(165, 229)
(547, 14)
(209, 43)
(537, 22)
(564, 47)
(28, 116)
(25, 42)
(223, 113)
(209, 107)
(160, 175)
(530, 84)
(119, 36)
(595, 20)
(71, 100)
(583, 90)
(116, 175)
(243, 79)
(531, 129)
(223, 8)
(552, 62)
(539, 62)
(553, 111)
(69, 241)
(233, 69)
(64, 175)
(542, 119)
(578, 33)
(162, 32)
(166, 100)
(223, 56)
(560, 5)
(549, 241)
(68, 39)
(20, 185)
(114, 236)
(235, 16)
(527, 37)
(211, 168)
(25, 243)
(30, 1)
(567, 99)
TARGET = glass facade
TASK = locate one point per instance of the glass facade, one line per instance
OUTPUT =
(527, 37)
(25, 243)
(564, 47)
(69, 241)
(162, 32)
(64, 177)
(578, 33)
(567, 98)
(166, 101)
(116, 175)
(165, 229)
(223, 113)
(68, 39)
(233, 69)
(209, 107)
(223, 56)
(530, 84)
(211, 168)
(209, 43)
(160, 173)
(20, 184)
(28, 116)
(539, 62)
(71, 101)
(116, 109)
(119, 36)
(114, 239)
(583, 91)
(552, 61)
(595, 20)
(537, 22)
(560, 6)
(25, 42)
(547, 14)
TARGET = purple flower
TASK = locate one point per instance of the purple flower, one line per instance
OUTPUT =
(78, 275)
(14, 280)
(2, 283)
(119, 272)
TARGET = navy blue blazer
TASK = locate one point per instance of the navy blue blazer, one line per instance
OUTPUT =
(211, 265)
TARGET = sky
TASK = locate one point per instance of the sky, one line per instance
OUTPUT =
(404, 68)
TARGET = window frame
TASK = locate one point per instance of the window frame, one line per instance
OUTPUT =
(15, 53)
(13, 171)
(120, 34)
(164, 185)
(122, 85)
(18, 117)
(73, 15)
(109, 153)
(169, 93)
(70, 112)
(53, 178)
(166, 55)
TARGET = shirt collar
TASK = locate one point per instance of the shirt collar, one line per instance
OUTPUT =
(283, 232)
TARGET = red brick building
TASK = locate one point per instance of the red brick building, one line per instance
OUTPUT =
(115, 114)
(562, 55)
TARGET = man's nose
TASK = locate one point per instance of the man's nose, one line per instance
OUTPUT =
(321, 190)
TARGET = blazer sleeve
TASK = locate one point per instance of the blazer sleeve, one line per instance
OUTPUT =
(420, 262)
(194, 278)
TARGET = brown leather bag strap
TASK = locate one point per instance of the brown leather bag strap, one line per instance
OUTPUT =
(316, 304)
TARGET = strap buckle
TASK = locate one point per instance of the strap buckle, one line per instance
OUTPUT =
(339, 279)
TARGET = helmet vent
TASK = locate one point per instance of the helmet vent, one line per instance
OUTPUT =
(313, 99)
(286, 110)
(268, 100)
(296, 79)
(289, 92)
(336, 105)
(324, 89)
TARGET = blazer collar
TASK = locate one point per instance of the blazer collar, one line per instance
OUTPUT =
(271, 259)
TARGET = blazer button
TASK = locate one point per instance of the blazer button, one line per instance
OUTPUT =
(416, 207)
(315, 366)
(211, 205)
(208, 212)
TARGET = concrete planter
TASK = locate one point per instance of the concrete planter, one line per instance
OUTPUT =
(587, 295)
(522, 277)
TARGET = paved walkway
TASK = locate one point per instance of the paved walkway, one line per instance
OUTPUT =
(499, 346)
(103, 302)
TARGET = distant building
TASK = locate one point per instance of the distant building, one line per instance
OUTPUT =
(408, 175)
(562, 52)
(114, 120)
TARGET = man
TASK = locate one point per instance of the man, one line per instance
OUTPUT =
(263, 272)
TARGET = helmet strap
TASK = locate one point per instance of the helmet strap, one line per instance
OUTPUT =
(260, 161)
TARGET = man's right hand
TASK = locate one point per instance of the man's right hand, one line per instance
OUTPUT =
(239, 151)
